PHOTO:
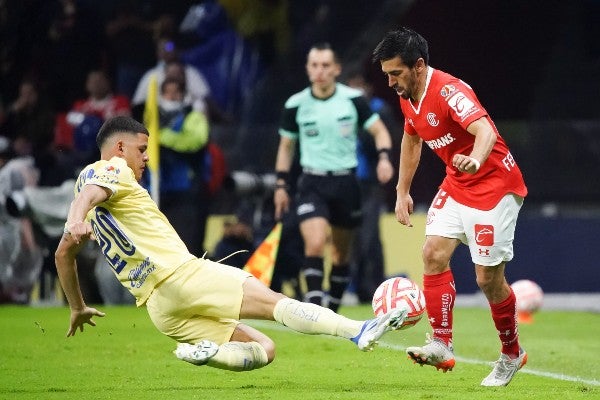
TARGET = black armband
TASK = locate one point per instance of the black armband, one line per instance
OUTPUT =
(387, 151)
(283, 176)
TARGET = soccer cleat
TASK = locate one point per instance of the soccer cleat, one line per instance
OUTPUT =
(373, 329)
(435, 353)
(197, 354)
(504, 369)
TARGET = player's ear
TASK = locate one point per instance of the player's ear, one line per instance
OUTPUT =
(420, 64)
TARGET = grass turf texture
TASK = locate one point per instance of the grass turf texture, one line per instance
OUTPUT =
(124, 357)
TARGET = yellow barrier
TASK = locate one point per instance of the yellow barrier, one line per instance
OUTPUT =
(402, 246)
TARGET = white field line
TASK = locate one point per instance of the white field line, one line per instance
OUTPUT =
(525, 370)
(552, 375)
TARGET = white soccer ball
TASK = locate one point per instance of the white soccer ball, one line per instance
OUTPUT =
(400, 292)
(529, 295)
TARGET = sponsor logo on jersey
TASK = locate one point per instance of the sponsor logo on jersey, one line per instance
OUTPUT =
(310, 128)
(111, 169)
(447, 90)
(440, 142)
(346, 128)
(462, 105)
(432, 119)
(484, 235)
(509, 162)
(137, 275)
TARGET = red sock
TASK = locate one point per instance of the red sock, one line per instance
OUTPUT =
(504, 315)
(440, 292)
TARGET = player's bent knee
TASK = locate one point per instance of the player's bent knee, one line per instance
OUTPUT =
(269, 347)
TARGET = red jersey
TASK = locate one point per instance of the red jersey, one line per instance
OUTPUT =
(441, 119)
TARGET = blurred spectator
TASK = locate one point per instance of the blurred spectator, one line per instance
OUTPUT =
(20, 254)
(262, 22)
(196, 85)
(237, 244)
(77, 129)
(184, 196)
(74, 46)
(29, 122)
(231, 66)
(130, 46)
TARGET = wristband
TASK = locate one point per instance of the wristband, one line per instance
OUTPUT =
(386, 150)
(476, 162)
(283, 175)
(283, 186)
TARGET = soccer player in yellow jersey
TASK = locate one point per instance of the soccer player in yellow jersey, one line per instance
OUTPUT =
(197, 302)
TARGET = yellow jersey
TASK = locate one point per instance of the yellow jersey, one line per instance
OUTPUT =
(136, 238)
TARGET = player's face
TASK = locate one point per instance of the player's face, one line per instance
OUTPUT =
(322, 69)
(401, 77)
(133, 150)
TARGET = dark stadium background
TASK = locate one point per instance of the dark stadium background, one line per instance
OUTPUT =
(535, 66)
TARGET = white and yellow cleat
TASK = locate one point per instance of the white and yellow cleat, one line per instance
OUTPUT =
(197, 354)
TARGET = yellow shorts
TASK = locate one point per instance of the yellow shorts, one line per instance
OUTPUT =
(201, 300)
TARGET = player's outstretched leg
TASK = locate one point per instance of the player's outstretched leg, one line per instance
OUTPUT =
(314, 319)
(435, 352)
(373, 329)
(232, 356)
(504, 369)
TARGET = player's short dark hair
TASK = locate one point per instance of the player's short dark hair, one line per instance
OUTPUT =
(325, 46)
(119, 124)
(404, 43)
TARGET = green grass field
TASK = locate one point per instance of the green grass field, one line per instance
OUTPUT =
(125, 357)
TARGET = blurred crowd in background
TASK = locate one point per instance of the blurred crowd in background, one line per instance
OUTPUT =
(226, 67)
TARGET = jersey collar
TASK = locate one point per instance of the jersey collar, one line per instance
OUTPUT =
(427, 80)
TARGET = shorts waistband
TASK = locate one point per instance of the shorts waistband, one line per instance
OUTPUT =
(321, 172)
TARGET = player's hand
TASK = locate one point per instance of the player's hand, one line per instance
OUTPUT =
(466, 164)
(281, 199)
(80, 231)
(403, 209)
(385, 170)
(78, 318)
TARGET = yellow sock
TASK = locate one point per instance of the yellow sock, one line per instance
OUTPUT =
(239, 356)
(313, 319)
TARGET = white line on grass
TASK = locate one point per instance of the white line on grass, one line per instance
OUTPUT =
(551, 375)
(561, 377)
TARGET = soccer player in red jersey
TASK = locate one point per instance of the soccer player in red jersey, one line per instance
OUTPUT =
(477, 204)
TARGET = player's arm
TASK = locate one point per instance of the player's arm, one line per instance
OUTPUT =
(383, 143)
(410, 155)
(77, 232)
(283, 164)
(485, 138)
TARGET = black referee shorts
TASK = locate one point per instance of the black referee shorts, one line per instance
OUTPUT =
(333, 197)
